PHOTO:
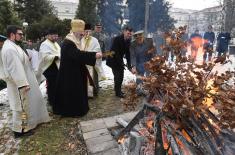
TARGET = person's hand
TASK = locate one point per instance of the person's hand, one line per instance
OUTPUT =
(24, 89)
(133, 70)
(98, 55)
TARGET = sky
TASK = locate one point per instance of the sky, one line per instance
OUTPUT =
(186, 4)
(194, 4)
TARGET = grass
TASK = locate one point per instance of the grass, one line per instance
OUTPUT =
(63, 135)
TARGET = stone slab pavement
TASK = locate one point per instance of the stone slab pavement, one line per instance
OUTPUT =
(98, 139)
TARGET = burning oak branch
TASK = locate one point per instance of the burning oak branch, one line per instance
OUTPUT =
(191, 106)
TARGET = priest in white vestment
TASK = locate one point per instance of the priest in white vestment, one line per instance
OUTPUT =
(49, 62)
(25, 98)
(89, 43)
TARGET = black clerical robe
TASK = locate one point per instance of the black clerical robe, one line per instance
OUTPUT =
(71, 88)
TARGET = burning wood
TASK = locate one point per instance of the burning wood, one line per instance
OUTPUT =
(193, 106)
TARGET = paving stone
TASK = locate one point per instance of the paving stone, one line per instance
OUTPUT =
(92, 126)
(129, 116)
(102, 147)
(85, 123)
(96, 133)
(110, 122)
(100, 139)
(97, 137)
(114, 151)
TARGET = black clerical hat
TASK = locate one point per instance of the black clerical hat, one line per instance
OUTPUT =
(51, 31)
(87, 26)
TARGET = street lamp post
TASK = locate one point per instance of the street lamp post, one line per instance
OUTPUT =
(25, 25)
(146, 17)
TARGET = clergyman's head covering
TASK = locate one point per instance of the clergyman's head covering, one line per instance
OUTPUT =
(52, 31)
(77, 25)
(87, 26)
(2, 38)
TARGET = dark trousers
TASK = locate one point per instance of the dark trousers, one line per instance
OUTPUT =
(221, 53)
(51, 75)
(118, 79)
(96, 82)
(207, 49)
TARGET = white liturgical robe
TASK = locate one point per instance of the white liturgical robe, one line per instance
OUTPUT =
(18, 73)
(47, 52)
(91, 44)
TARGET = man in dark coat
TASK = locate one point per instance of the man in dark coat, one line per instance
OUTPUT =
(222, 43)
(209, 38)
(120, 46)
(71, 92)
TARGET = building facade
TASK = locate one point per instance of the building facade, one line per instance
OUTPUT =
(182, 16)
(198, 19)
(65, 9)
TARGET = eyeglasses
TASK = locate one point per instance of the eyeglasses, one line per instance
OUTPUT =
(21, 34)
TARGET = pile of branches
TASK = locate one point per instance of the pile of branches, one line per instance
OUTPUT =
(193, 99)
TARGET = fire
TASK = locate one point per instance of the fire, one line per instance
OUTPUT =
(209, 101)
(164, 138)
(149, 124)
(186, 135)
(121, 140)
(211, 121)
(182, 147)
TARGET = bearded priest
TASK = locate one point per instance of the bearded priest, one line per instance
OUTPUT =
(25, 98)
(71, 97)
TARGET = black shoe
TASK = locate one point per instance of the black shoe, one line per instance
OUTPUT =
(22, 134)
(121, 95)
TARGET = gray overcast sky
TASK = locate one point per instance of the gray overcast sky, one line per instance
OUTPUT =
(194, 4)
(186, 4)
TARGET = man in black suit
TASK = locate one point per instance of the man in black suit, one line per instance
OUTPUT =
(120, 46)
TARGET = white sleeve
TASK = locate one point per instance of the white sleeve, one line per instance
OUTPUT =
(45, 54)
(96, 46)
(14, 67)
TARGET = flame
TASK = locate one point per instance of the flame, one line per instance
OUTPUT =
(216, 127)
(121, 140)
(164, 138)
(209, 101)
(182, 147)
(149, 124)
(211, 121)
(197, 43)
(186, 136)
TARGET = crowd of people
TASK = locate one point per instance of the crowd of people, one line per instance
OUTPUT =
(73, 68)
(207, 42)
